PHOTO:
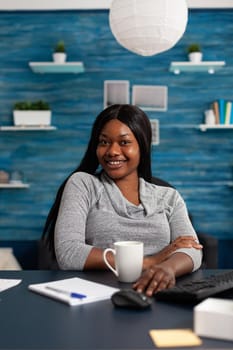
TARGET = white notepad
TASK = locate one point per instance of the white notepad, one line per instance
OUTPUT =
(63, 288)
(6, 283)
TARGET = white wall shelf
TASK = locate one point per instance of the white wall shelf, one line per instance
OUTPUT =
(27, 128)
(150, 97)
(205, 66)
(116, 91)
(204, 127)
(14, 185)
(51, 67)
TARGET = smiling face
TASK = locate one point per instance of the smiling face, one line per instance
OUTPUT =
(118, 151)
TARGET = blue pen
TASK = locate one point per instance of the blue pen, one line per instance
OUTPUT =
(70, 294)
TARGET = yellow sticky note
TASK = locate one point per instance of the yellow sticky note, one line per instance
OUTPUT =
(174, 337)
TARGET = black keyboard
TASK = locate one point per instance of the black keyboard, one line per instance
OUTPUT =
(197, 290)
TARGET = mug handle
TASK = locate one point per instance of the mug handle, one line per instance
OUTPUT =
(106, 261)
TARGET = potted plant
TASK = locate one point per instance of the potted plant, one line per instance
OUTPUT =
(27, 113)
(59, 54)
(194, 52)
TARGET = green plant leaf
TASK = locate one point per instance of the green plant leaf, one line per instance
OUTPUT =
(28, 105)
(60, 46)
(194, 48)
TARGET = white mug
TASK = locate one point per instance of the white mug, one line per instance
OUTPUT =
(128, 256)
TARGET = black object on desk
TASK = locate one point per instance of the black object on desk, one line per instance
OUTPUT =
(130, 299)
(197, 290)
(31, 321)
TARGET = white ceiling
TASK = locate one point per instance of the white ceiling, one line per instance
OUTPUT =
(93, 4)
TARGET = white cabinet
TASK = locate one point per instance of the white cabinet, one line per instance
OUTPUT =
(116, 91)
(150, 97)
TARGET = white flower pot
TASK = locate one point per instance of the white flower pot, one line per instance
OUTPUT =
(39, 118)
(59, 57)
(195, 57)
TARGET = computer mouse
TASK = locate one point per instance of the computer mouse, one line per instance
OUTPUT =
(131, 299)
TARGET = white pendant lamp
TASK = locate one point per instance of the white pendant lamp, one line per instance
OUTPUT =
(148, 27)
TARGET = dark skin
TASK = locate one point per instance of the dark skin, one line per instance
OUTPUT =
(95, 258)
(119, 155)
(163, 275)
(160, 270)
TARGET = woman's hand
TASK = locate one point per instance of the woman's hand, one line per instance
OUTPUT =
(165, 253)
(162, 275)
(154, 279)
(186, 242)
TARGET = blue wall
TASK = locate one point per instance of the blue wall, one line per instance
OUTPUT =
(199, 164)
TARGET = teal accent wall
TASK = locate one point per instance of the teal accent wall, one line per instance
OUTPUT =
(199, 164)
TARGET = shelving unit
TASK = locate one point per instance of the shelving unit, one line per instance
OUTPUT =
(14, 185)
(150, 97)
(51, 67)
(204, 127)
(205, 66)
(27, 128)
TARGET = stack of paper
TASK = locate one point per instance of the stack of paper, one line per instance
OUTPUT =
(6, 283)
(74, 291)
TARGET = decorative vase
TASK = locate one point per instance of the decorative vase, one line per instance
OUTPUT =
(195, 57)
(210, 118)
(59, 57)
(29, 118)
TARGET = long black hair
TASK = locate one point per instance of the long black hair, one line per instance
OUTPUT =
(139, 124)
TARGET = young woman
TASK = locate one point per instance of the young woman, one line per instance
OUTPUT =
(110, 197)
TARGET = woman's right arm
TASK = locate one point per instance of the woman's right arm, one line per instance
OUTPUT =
(95, 257)
(69, 239)
(95, 260)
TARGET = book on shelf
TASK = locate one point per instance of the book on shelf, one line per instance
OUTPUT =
(228, 113)
(223, 111)
(221, 104)
(216, 112)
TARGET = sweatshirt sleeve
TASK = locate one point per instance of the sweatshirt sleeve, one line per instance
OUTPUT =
(70, 247)
(181, 225)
